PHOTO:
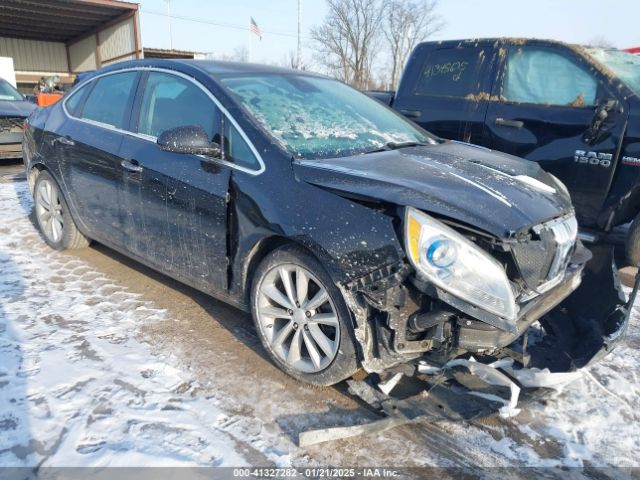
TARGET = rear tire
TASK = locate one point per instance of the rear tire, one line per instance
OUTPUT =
(53, 216)
(302, 319)
(632, 244)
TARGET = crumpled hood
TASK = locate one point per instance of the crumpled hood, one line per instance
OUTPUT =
(498, 193)
(16, 108)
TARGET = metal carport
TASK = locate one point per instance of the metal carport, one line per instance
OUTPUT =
(64, 37)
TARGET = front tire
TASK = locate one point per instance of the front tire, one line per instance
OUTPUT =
(302, 318)
(632, 243)
(53, 216)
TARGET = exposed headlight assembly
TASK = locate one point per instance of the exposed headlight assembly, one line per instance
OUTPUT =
(451, 262)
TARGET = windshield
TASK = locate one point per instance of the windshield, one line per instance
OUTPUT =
(625, 65)
(7, 92)
(315, 118)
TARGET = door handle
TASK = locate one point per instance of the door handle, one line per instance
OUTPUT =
(64, 141)
(411, 113)
(509, 123)
(131, 165)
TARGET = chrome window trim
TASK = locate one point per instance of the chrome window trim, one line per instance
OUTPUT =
(152, 139)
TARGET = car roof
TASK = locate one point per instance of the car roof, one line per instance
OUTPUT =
(209, 67)
(495, 41)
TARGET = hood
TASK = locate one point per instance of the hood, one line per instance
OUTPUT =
(497, 193)
(12, 108)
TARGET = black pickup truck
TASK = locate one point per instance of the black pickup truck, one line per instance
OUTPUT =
(575, 110)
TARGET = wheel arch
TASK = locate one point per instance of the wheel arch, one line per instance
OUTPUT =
(32, 175)
(268, 245)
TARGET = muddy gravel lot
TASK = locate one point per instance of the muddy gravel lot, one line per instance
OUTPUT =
(105, 362)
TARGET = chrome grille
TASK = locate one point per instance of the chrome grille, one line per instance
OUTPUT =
(565, 231)
(543, 261)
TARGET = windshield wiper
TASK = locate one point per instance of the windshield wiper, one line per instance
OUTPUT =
(396, 145)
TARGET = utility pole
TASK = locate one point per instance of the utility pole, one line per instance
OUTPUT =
(299, 52)
(169, 19)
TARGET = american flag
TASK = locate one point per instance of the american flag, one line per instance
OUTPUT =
(255, 28)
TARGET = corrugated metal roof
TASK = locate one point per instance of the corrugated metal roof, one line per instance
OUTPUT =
(58, 20)
(165, 53)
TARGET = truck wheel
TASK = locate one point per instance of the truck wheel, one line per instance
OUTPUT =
(302, 319)
(53, 216)
(632, 245)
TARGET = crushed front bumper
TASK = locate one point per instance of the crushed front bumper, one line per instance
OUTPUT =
(581, 330)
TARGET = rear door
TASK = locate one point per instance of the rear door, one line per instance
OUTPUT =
(174, 204)
(89, 144)
(446, 89)
(547, 104)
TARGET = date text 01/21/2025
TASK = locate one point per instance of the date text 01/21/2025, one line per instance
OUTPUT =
(315, 472)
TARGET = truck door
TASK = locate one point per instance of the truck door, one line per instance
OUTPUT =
(551, 106)
(446, 90)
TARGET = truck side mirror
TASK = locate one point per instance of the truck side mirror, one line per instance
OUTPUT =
(600, 115)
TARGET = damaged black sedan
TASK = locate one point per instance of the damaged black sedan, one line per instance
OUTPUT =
(356, 239)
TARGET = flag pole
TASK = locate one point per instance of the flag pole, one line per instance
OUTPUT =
(169, 20)
(250, 40)
(298, 59)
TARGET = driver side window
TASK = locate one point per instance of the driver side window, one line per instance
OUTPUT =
(170, 101)
(541, 76)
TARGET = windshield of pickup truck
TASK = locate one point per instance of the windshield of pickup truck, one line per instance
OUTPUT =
(313, 117)
(7, 92)
(625, 65)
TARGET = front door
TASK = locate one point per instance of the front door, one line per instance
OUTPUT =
(553, 108)
(174, 204)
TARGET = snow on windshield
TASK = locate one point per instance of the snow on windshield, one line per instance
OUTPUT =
(315, 117)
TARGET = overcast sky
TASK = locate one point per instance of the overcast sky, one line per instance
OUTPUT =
(576, 21)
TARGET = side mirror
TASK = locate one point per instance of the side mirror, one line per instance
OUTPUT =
(603, 109)
(601, 114)
(189, 139)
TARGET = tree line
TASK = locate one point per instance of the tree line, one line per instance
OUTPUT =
(366, 42)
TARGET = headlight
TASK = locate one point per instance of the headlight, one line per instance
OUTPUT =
(561, 186)
(456, 265)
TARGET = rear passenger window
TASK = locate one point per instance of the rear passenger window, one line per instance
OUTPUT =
(539, 75)
(170, 101)
(108, 102)
(452, 72)
(74, 101)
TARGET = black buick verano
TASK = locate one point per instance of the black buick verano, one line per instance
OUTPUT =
(355, 238)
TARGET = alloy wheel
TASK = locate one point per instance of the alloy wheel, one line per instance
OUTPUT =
(49, 211)
(298, 318)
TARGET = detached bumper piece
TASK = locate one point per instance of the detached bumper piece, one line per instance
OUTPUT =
(582, 329)
(463, 389)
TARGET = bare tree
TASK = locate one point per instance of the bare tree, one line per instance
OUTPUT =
(240, 53)
(347, 39)
(601, 41)
(290, 60)
(406, 24)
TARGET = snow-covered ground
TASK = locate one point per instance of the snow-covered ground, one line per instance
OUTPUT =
(96, 371)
